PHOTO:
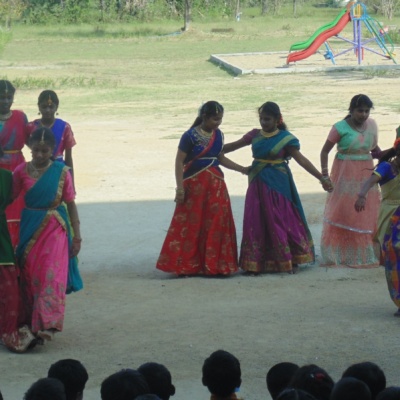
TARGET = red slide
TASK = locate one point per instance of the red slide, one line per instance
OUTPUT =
(319, 40)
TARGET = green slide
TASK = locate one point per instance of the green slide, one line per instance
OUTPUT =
(307, 43)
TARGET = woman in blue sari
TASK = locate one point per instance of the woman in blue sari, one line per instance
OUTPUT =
(46, 252)
(276, 237)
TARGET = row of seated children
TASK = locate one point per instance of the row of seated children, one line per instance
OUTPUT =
(221, 374)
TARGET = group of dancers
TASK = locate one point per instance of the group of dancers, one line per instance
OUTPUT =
(39, 223)
(201, 239)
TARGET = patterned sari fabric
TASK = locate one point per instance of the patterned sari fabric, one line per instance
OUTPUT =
(9, 292)
(62, 132)
(43, 250)
(347, 239)
(201, 239)
(275, 231)
(388, 233)
(13, 137)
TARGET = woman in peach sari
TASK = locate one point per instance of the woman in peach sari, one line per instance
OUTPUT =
(347, 239)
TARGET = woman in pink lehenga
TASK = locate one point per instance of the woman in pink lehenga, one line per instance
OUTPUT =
(347, 239)
(46, 252)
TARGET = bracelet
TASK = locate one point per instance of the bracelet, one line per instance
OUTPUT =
(77, 240)
(324, 179)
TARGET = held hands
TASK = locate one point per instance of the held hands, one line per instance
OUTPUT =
(359, 205)
(327, 184)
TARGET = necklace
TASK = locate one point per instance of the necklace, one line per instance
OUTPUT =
(361, 129)
(205, 133)
(5, 117)
(37, 172)
(47, 126)
(269, 134)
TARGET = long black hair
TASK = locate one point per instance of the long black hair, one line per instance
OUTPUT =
(271, 108)
(359, 100)
(207, 110)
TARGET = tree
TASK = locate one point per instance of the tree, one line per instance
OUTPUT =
(188, 15)
(11, 9)
(264, 7)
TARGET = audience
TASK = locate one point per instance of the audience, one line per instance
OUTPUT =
(279, 376)
(350, 389)
(222, 375)
(73, 375)
(369, 373)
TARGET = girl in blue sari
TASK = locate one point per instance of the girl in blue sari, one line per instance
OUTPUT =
(276, 237)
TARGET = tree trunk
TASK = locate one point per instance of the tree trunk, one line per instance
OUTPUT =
(237, 10)
(294, 7)
(188, 13)
(264, 7)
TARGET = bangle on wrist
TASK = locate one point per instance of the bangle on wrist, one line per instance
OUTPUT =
(179, 191)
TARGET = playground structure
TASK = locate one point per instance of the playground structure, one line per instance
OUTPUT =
(355, 12)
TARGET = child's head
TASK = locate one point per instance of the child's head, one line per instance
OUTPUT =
(7, 91)
(279, 376)
(295, 394)
(221, 373)
(360, 100)
(313, 380)
(72, 374)
(126, 384)
(350, 389)
(43, 137)
(48, 104)
(159, 379)
(210, 115)
(271, 117)
(46, 389)
(369, 373)
(390, 393)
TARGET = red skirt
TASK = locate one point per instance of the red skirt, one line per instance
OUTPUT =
(201, 239)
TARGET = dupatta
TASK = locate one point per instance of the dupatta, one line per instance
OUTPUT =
(44, 200)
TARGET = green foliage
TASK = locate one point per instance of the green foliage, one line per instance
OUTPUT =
(5, 37)
(59, 83)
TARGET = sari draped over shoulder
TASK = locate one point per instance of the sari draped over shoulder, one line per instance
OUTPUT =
(347, 239)
(275, 231)
(201, 239)
(47, 271)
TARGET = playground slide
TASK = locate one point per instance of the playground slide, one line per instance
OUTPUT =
(303, 45)
(319, 40)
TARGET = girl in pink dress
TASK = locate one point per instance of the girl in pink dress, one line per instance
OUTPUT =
(13, 137)
(46, 252)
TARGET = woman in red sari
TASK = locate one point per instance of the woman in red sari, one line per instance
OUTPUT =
(201, 239)
(13, 137)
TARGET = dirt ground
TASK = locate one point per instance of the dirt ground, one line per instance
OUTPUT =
(129, 313)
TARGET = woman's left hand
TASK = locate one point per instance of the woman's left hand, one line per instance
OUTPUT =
(359, 205)
(76, 247)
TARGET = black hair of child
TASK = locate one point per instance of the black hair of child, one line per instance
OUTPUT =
(370, 373)
(350, 389)
(42, 135)
(314, 380)
(390, 393)
(159, 379)
(47, 95)
(126, 384)
(359, 100)
(6, 87)
(221, 373)
(72, 374)
(295, 394)
(207, 110)
(279, 376)
(271, 108)
(148, 396)
(46, 389)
